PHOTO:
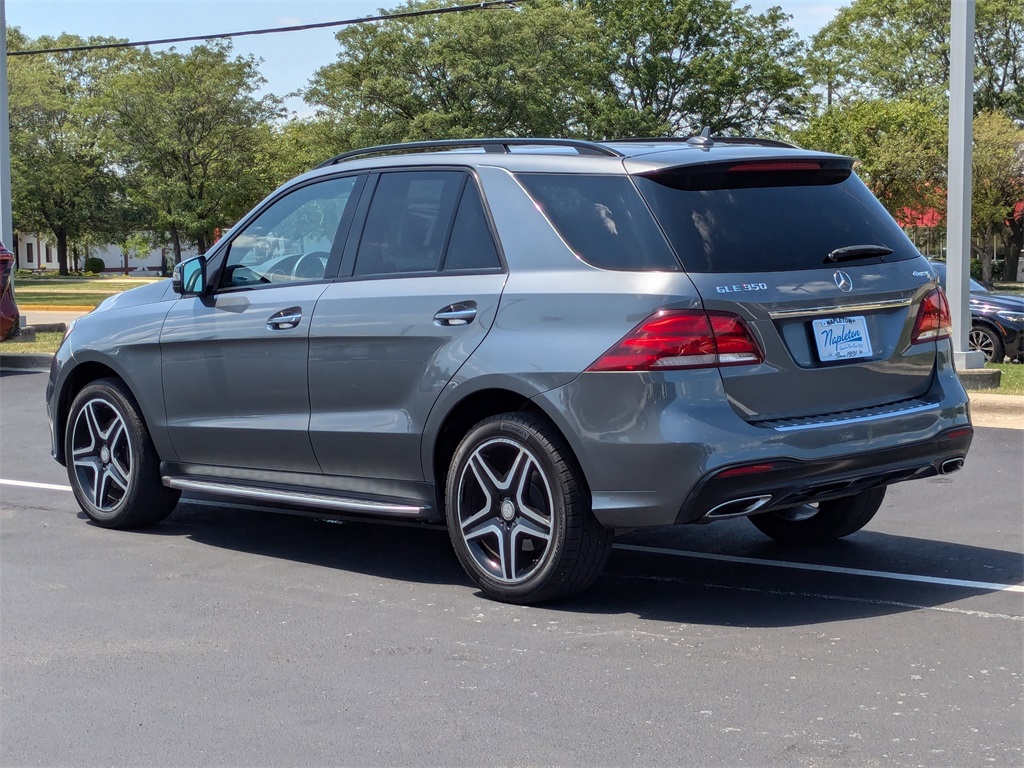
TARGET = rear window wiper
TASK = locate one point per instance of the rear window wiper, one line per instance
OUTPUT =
(856, 252)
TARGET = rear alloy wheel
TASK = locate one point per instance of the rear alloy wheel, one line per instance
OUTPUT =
(518, 515)
(983, 339)
(823, 522)
(112, 464)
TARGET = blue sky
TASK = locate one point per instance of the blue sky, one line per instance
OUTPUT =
(289, 60)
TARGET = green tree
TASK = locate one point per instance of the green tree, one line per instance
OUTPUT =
(997, 186)
(526, 71)
(900, 49)
(900, 147)
(690, 64)
(193, 134)
(63, 182)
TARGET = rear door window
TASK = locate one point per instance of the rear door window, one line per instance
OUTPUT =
(602, 219)
(409, 222)
(768, 221)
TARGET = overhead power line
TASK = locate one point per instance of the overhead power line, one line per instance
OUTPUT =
(273, 30)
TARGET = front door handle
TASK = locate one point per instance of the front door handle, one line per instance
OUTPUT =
(462, 313)
(285, 319)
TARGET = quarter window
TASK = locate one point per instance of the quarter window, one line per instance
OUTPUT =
(602, 219)
(471, 246)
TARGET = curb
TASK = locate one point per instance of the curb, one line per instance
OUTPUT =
(22, 361)
(23, 308)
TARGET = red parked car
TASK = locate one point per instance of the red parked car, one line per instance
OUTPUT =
(9, 325)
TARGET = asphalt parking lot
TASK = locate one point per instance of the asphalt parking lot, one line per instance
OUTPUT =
(230, 636)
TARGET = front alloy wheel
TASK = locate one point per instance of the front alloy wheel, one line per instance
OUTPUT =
(112, 465)
(517, 515)
(101, 454)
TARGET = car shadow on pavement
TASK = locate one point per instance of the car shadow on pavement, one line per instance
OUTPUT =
(651, 586)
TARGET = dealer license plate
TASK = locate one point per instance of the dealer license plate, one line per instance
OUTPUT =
(842, 338)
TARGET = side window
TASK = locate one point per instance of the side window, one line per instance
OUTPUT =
(603, 219)
(471, 245)
(292, 240)
(408, 222)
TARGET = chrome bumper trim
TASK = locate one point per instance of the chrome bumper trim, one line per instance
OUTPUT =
(849, 417)
(840, 309)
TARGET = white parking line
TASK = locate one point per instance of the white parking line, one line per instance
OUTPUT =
(27, 484)
(986, 585)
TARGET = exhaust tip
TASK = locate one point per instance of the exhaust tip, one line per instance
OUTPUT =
(738, 507)
(951, 465)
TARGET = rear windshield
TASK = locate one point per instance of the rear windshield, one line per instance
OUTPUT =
(603, 219)
(791, 222)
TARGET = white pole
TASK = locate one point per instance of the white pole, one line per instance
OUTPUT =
(6, 225)
(958, 200)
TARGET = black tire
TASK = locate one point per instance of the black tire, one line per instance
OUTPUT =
(518, 515)
(987, 341)
(821, 523)
(112, 465)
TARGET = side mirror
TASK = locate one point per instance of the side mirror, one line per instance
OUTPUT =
(189, 277)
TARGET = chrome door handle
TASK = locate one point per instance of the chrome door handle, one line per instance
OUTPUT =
(285, 319)
(457, 314)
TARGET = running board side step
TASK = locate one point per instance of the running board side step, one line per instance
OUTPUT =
(300, 498)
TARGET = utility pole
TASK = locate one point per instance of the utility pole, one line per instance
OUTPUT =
(6, 225)
(958, 191)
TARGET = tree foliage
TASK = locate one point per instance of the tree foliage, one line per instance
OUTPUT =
(997, 182)
(526, 71)
(683, 66)
(63, 182)
(900, 147)
(900, 49)
(192, 133)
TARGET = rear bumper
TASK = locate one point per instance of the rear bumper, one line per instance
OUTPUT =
(658, 449)
(765, 486)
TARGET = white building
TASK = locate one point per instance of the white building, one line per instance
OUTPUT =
(35, 253)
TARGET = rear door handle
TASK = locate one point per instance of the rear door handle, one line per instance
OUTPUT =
(462, 313)
(285, 319)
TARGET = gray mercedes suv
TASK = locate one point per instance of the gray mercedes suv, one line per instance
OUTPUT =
(537, 342)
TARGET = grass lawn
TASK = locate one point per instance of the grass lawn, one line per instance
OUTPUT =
(1011, 382)
(71, 291)
(45, 344)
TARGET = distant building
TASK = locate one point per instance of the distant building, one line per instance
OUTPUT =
(33, 252)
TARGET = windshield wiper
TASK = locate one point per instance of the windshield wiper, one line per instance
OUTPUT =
(856, 252)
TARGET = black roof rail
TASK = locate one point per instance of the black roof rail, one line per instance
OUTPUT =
(705, 140)
(501, 146)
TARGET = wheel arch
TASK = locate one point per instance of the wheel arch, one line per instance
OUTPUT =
(470, 410)
(77, 379)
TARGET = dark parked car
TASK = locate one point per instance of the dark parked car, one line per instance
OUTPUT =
(536, 342)
(9, 316)
(997, 320)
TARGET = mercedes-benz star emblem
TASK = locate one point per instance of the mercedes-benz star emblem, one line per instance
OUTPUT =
(843, 281)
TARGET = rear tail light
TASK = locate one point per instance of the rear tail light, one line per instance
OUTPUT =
(933, 319)
(674, 339)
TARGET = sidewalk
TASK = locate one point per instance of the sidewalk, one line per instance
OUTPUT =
(1006, 411)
